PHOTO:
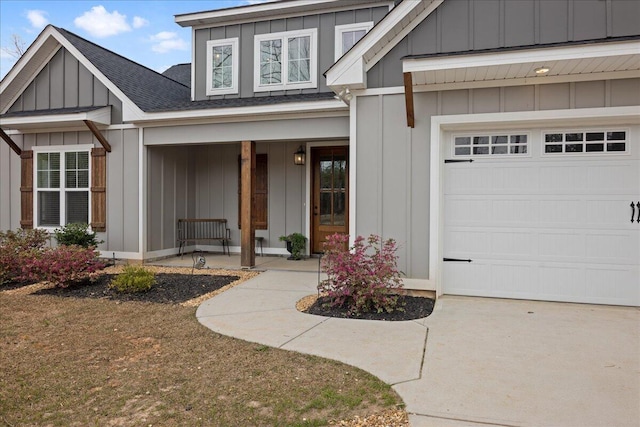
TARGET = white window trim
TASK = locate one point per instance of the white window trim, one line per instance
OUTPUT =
(340, 29)
(57, 149)
(284, 36)
(565, 154)
(508, 155)
(234, 63)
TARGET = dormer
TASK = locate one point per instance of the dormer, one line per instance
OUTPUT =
(274, 49)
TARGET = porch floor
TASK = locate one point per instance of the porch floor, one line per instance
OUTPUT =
(218, 260)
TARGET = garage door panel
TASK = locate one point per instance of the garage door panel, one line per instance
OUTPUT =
(613, 286)
(617, 178)
(612, 247)
(512, 244)
(468, 242)
(563, 179)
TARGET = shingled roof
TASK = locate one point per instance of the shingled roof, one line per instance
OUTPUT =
(180, 73)
(149, 90)
(170, 91)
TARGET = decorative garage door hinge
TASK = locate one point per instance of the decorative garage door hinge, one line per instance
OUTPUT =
(456, 260)
(458, 160)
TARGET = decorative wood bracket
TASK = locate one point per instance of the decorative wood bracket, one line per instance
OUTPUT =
(96, 132)
(9, 141)
(408, 99)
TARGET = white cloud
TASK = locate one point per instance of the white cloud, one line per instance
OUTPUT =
(37, 18)
(100, 23)
(166, 41)
(139, 22)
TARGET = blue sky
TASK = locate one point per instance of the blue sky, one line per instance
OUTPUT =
(143, 31)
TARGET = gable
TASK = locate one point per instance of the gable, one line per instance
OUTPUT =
(65, 83)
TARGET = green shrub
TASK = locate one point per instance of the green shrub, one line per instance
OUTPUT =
(76, 234)
(133, 279)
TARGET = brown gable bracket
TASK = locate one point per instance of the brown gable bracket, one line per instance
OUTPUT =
(9, 141)
(96, 132)
(408, 99)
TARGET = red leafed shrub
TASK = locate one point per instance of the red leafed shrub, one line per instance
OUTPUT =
(363, 278)
(62, 266)
(16, 247)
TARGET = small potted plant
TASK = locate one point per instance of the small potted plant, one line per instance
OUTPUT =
(296, 244)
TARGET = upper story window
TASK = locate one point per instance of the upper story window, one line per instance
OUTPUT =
(62, 186)
(222, 66)
(348, 35)
(285, 60)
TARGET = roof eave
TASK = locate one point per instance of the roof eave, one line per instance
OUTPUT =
(269, 10)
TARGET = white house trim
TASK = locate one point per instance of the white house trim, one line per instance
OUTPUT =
(272, 10)
(100, 116)
(235, 53)
(525, 119)
(227, 113)
(350, 70)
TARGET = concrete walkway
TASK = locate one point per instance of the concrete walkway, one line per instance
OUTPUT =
(473, 362)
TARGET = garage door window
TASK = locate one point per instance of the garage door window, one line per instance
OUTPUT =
(490, 145)
(607, 141)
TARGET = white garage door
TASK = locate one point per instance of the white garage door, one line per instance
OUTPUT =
(543, 214)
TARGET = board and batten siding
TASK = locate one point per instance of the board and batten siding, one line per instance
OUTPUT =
(469, 25)
(325, 23)
(122, 182)
(65, 83)
(201, 181)
(393, 161)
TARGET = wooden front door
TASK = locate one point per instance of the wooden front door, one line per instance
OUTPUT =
(330, 202)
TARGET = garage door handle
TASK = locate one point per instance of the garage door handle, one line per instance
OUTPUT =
(638, 205)
(456, 260)
(633, 212)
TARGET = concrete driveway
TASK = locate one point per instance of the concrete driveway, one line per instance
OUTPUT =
(526, 363)
(473, 362)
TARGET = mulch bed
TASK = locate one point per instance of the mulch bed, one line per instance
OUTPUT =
(170, 288)
(411, 308)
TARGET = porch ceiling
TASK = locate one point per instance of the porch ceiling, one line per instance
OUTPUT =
(622, 58)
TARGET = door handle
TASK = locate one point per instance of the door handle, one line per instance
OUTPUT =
(633, 211)
(638, 205)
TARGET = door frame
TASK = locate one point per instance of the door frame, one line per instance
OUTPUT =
(309, 180)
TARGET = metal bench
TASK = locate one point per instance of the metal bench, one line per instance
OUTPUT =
(194, 230)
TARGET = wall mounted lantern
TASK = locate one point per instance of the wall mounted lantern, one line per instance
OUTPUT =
(299, 156)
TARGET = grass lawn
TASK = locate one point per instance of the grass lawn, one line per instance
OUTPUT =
(85, 362)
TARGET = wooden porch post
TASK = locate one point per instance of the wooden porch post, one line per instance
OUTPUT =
(248, 178)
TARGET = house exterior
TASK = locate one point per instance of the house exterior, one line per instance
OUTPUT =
(498, 142)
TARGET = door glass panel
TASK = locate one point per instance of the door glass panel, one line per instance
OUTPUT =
(326, 173)
(325, 208)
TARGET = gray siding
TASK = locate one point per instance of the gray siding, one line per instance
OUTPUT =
(469, 25)
(392, 193)
(65, 83)
(201, 181)
(325, 23)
